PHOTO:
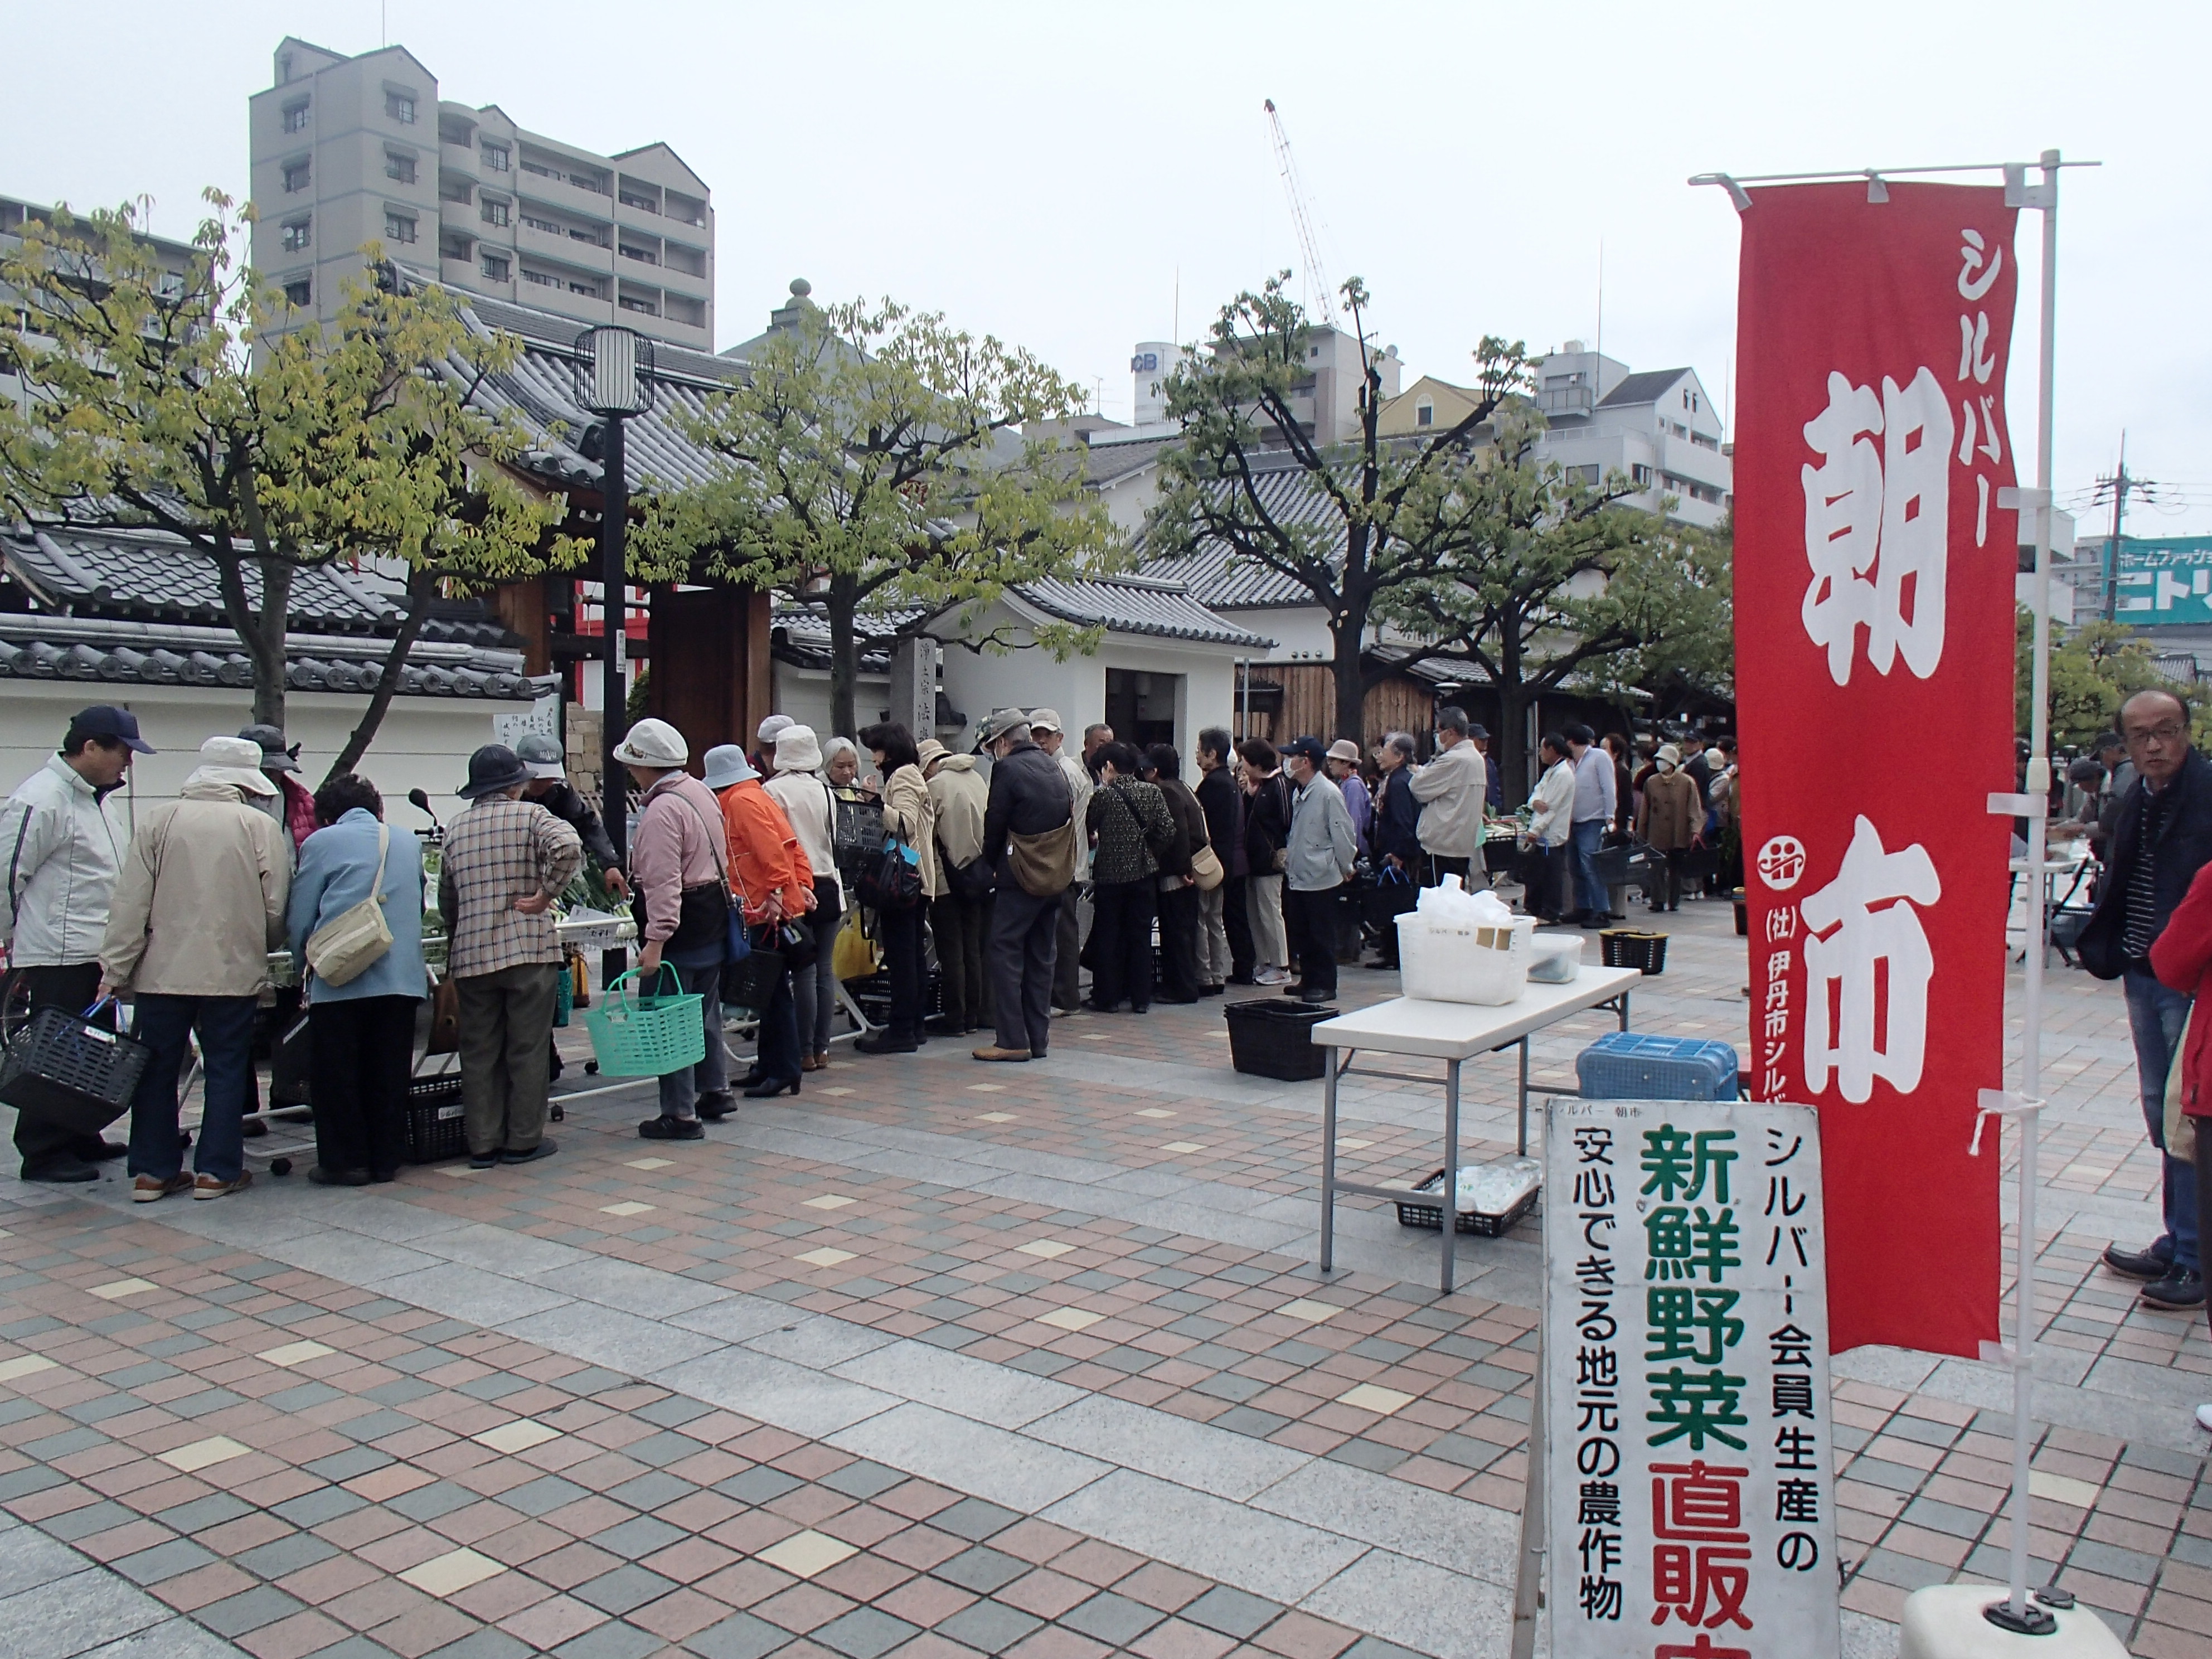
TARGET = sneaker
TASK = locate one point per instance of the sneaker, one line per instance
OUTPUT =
(544, 1148)
(2138, 1264)
(147, 1189)
(671, 1128)
(2204, 1417)
(2181, 1290)
(1271, 976)
(713, 1108)
(64, 1168)
(996, 1052)
(208, 1187)
(882, 1043)
(319, 1177)
(1314, 997)
(484, 1160)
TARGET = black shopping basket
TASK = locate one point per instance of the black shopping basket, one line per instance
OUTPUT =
(63, 1069)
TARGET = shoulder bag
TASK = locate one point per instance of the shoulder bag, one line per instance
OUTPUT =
(737, 943)
(352, 942)
(1043, 866)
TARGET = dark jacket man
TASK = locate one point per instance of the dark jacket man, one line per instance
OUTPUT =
(563, 801)
(1397, 819)
(2182, 848)
(1218, 799)
(1029, 796)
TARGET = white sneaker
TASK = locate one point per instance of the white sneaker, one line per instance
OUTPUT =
(2204, 1417)
(1270, 976)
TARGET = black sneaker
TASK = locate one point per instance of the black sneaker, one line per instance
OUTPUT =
(2137, 1264)
(715, 1107)
(671, 1128)
(882, 1043)
(484, 1160)
(2181, 1290)
(544, 1148)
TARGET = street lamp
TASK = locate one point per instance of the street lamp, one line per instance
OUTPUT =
(614, 381)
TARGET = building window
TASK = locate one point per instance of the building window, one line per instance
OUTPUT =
(398, 227)
(300, 291)
(1641, 474)
(298, 175)
(538, 277)
(589, 290)
(643, 256)
(632, 199)
(496, 157)
(400, 107)
(398, 166)
(456, 248)
(496, 267)
(493, 212)
(295, 117)
(297, 233)
(1425, 415)
(646, 306)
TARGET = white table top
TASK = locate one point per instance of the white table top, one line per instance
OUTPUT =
(1460, 1030)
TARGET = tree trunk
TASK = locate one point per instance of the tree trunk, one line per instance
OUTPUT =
(422, 587)
(1349, 633)
(844, 656)
(265, 642)
(1509, 745)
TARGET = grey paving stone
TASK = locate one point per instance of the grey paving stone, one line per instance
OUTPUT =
(167, 1561)
(641, 1535)
(990, 1626)
(181, 1638)
(201, 1513)
(280, 1556)
(312, 1509)
(761, 1485)
(981, 1569)
(28, 1559)
(1905, 1571)
(264, 1604)
(861, 1478)
(483, 1644)
(545, 1495)
(354, 1462)
(614, 1640)
(974, 1519)
(429, 1503)
(1231, 1612)
(864, 1633)
(625, 1587)
(740, 1636)
(651, 1491)
(1113, 1619)
(1370, 1454)
(83, 1522)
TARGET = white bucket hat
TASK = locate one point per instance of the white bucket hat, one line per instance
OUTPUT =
(798, 750)
(655, 744)
(234, 761)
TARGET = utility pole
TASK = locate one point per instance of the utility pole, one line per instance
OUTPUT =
(2121, 485)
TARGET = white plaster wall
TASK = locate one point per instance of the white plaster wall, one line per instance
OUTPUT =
(424, 741)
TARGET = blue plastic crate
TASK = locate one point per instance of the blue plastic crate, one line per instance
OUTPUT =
(1630, 1066)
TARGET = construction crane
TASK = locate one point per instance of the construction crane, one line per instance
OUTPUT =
(1321, 296)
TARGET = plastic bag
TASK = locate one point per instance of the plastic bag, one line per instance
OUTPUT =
(1495, 1188)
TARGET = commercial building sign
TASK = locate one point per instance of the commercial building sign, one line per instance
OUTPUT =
(1689, 1497)
(2164, 582)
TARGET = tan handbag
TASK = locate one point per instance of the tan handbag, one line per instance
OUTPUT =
(2180, 1127)
(352, 942)
(1045, 864)
(1206, 871)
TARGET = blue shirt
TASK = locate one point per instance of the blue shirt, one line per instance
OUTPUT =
(337, 865)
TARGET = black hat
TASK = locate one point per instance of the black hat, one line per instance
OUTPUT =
(492, 769)
(275, 757)
(1481, 731)
(1308, 747)
(115, 724)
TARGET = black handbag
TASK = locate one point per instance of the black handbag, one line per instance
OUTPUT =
(974, 881)
(801, 947)
(856, 833)
(891, 880)
(1393, 893)
(751, 983)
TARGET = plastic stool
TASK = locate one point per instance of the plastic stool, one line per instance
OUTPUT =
(1944, 1621)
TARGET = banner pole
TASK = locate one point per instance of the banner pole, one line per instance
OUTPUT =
(2039, 785)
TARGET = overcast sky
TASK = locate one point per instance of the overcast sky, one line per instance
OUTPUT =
(1054, 172)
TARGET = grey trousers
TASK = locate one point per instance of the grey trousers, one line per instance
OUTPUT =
(680, 1091)
(1215, 963)
(507, 1047)
(1271, 945)
(1024, 934)
(1067, 970)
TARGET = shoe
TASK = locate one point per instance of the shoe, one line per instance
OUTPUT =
(321, 1178)
(98, 1150)
(810, 1062)
(1211, 990)
(254, 1127)
(1270, 976)
(1141, 1007)
(943, 1025)
(1315, 997)
(382, 1177)
(671, 1128)
(2204, 1417)
(995, 1053)
(544, 1148)
(66, 1168)
(147, 1189)
(2138, 1264)
(208, 1187)
(822, 1060)
(748, 1078)
(1178, 1001)
(882, 1043)
(484, 1160)
(769, 1088)
(2181, 1290)
(713, 1108)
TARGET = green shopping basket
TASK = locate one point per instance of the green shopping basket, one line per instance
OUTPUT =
(647, 1036)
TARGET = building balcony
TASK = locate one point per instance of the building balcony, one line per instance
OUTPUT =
(558, 193)
(565, 250)
(460, 158)
(1566, 400)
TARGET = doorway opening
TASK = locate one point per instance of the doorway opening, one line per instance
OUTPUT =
(1142, 707)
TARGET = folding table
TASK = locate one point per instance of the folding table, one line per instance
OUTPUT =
(1452, 1032)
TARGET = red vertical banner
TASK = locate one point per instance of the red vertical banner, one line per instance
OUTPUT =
(1874, 643)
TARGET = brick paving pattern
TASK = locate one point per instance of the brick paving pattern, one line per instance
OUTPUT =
(942, 1359)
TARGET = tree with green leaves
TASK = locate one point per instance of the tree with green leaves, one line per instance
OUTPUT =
(877, 472)
(202, 405)
(1546, 584)
(2095, 668)
(1376, 517)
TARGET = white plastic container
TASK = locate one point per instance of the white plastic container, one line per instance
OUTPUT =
(1486, 965)
(1555, 958)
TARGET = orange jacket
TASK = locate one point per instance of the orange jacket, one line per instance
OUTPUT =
(765, 856)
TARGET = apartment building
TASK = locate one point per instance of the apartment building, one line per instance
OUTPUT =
(174, 256)
(1658, 427)
(350, 151)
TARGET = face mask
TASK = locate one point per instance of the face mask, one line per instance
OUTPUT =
(1666, 766)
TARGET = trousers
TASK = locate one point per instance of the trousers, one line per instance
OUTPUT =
(1067, 964)
(2156, 1018)
(164, 1023)
(362, 1049)
(507, 1043)
(1263, 906)
(962, 928)
(680, 1089)
(814, 990)
(1216, 962)
(1182, 970)
(1024, 947)
(1310, 919)
(1591, 898)
(1122, 914)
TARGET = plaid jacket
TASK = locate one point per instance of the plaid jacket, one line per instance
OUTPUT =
(497, 852)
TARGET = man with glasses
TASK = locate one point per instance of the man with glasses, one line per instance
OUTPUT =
(2161, 836)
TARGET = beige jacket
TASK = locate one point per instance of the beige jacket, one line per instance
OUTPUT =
(907, 808)
(960, 796)
(199, 904)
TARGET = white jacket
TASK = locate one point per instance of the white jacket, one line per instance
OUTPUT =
(61, 845)
(1451, 789)
(1079, 786)
(807, 802)
(1554, 799)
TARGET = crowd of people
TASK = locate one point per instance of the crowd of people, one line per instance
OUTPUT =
(1013, 868)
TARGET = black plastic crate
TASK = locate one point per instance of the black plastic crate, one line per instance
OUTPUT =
(64, 1069)
(1625, 947)
(1463, 1221)
(435, 1129)
(1273, 1037)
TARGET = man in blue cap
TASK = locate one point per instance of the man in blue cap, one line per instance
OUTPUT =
(62, 844)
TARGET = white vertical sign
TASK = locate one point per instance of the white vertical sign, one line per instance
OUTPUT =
(1689, 1462)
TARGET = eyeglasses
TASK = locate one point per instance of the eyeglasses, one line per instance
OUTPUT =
(2171, 731)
